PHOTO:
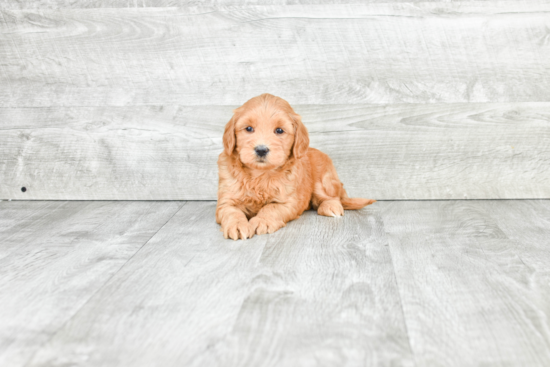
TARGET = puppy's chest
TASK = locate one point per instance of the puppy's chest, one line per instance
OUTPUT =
(257, 193)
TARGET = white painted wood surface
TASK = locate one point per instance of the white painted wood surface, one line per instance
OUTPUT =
(470, 51)
(398, 151)
(54, 256)
(410, 283)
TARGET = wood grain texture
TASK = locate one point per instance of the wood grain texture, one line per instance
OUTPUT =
(324, 295)
(469, 298)
(527, 224)
(318, 292)
(309, 54)
(179, 296)
(90, 4)
(19, 215)
(56, 255)
(405, 151)
(471, 277)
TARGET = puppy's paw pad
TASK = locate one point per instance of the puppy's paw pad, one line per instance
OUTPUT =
(331, 208)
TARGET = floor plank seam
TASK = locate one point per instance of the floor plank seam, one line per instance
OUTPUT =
(100, 288)
(399, 292)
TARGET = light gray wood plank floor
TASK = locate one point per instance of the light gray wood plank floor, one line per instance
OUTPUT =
(402, 283)
(54, 256)
(473, 294)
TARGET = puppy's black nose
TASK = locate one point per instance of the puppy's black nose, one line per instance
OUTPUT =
(261, 150)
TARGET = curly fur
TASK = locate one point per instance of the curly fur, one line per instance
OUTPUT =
(258, 195)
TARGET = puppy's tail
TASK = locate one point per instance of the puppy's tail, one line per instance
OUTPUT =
(355, 203)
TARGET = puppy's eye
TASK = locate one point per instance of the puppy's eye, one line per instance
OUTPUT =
(249, 129)
(279, 130)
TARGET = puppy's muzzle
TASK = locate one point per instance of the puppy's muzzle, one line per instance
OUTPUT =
(261, 151)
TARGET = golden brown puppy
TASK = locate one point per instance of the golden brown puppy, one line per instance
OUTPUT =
(268, 174)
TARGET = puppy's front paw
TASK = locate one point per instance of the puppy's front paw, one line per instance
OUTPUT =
(263, 225)
(236, 230)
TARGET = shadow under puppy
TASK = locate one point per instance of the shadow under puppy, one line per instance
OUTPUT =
(268, 174)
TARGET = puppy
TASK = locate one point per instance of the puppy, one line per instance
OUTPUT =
(268, 174)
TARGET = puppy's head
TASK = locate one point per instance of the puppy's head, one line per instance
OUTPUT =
(265, 132)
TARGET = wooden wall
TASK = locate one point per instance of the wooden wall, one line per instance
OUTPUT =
(127, 99)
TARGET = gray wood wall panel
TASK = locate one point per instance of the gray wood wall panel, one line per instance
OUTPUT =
(308, 54)
(398, 151)
(319, 290)
(472, 295)
(102, 100)
(54, 257)
(90, 4)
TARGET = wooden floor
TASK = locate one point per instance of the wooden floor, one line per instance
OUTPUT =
(402, 283)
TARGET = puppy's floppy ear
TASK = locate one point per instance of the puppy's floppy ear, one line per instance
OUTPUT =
(301, 137)
(229, 139)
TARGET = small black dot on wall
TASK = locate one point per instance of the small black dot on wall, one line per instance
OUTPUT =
(23, 189)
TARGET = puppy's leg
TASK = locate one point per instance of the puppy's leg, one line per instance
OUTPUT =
(273, 217)
(329, 195)
(234, 223)
(326, 192)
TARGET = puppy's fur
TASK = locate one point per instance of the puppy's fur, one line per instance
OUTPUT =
(259, 193)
